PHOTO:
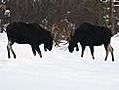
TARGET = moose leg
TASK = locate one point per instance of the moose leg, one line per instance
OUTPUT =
(107, 50)
(77, 48)
(92, 51)
(111, 51)
(9, 47)
(45, 48)
(38, 50)
(33, 50)
(8, 50)
(13, 52)
(83, 48)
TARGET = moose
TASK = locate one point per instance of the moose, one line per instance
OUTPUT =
(91, 35)
(28, 33)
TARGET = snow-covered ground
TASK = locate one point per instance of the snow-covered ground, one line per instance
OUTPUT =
(58, 69)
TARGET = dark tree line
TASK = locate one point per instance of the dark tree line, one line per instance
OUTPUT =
(77, 11)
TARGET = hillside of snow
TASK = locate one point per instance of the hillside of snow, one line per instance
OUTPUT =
(58, 69)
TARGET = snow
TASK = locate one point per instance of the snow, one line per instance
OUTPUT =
(58, 69)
